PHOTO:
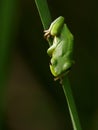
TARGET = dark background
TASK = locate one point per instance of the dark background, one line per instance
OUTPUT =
(32, 100)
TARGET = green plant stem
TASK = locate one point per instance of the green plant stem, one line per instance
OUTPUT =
(71, 103)
(44, 13)
(46, 20)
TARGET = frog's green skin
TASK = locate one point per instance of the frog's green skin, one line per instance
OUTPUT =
(61, 51)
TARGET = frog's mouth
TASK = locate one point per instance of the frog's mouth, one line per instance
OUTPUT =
(68, 69)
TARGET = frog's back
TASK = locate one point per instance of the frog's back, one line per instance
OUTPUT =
(65, 46)
(63, 54)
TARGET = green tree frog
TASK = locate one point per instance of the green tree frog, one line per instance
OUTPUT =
(61, 50)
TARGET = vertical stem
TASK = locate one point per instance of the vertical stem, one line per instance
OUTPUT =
(44, 13)
(71, 104)
(46, 20)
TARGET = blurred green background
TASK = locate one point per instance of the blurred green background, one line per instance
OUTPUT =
(29, 98)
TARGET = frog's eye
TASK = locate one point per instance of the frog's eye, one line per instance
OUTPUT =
(67, 66)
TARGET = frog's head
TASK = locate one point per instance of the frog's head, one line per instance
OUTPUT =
(53, 71)
(63, 70)
(67, 66)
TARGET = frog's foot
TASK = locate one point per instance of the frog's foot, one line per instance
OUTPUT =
(60, 78)
(56, 78)
(47, 34)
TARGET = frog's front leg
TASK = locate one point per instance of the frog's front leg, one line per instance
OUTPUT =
(51, 49)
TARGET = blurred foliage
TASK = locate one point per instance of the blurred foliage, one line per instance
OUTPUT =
(7, 35)
(21, 33)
